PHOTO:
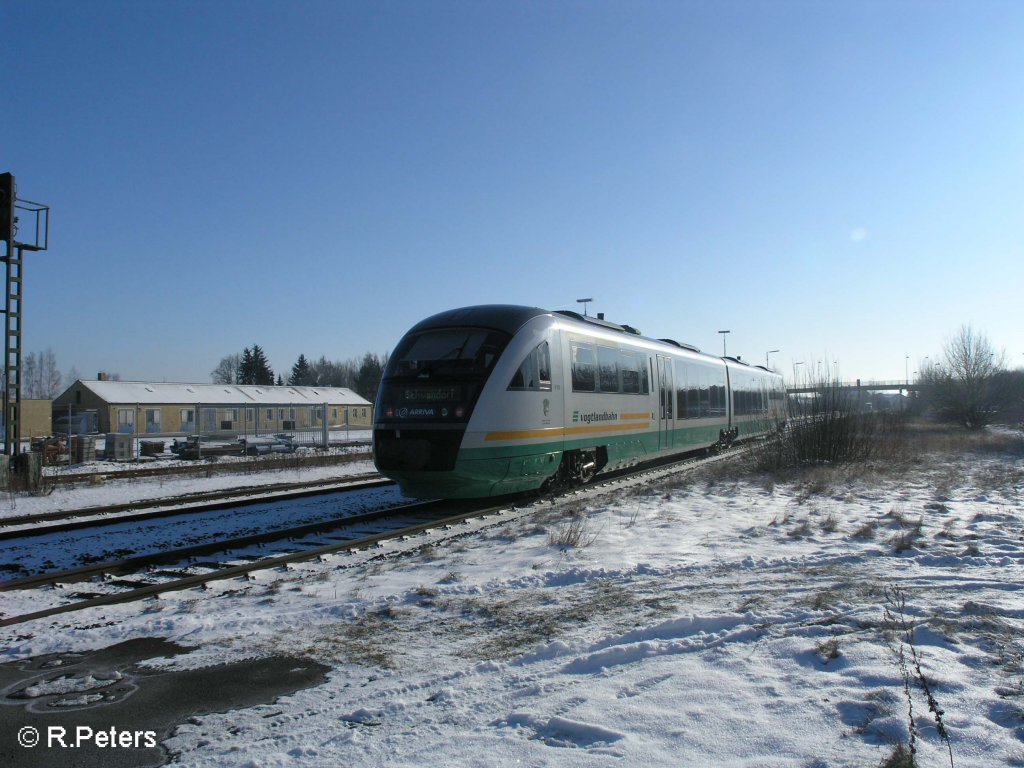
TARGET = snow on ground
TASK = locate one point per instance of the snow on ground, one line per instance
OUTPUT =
(724, 619)
(119, 487)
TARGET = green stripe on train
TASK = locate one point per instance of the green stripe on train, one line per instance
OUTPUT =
(499, 470)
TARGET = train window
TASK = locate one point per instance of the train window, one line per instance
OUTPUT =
(629, 365)
(535, 372)
(739, 400)
(691, 404)
(608, 369)
(583, 368)
(718, 392)
(681, 390)
(705, 393)
(749, 397)
(665, 386)
(447, 352)
(645, 387)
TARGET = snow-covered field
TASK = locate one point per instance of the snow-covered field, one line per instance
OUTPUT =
(724, 618)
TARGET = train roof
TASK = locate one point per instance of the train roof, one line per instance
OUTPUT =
(501, 317)
(509, 318)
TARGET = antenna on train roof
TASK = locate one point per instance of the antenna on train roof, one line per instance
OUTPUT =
(584, 302)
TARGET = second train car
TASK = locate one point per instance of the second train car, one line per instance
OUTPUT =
(499, 399)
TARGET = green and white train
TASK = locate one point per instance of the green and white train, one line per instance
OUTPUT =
(499, 399)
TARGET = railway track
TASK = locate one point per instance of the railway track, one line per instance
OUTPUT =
(172, 570)
(204, 468)
(192, 503)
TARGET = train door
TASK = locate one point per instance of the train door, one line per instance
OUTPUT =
(666, 395)
(730, 416)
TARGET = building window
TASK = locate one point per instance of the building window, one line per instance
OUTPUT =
(153, 420)
(125, 419)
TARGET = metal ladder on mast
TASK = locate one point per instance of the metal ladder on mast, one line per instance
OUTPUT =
(12, 348)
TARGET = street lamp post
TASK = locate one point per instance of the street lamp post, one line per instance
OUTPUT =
(769, 352)
(723, 341)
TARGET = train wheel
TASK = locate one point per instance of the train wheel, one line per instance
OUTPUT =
(586, 466)
(577, 468)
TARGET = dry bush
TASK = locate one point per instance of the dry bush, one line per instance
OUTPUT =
(571, 533)
(830, 429)
(827, 650)
(866, 531)
(900, 757)
(830, 524)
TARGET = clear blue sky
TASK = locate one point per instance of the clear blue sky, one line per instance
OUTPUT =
(840, 181)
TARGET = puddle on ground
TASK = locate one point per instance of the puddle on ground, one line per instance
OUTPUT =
(57, 697)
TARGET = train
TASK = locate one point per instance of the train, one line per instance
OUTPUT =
(493, 400)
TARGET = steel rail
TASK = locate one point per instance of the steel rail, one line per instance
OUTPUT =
(200, 467)
(194, 503)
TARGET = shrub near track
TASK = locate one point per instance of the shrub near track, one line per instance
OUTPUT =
(830, 428)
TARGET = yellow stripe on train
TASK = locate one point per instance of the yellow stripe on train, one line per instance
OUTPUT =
(550, 433)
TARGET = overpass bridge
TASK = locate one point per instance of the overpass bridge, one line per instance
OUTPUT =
(857, 386)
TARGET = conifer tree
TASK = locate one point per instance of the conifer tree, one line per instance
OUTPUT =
(246, 369)
(301, 376)
(262, 372)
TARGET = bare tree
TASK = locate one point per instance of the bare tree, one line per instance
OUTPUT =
(50, 375)
(40, 377)
(30, 381)
(327, 373)
(226, 371)
(961, 386)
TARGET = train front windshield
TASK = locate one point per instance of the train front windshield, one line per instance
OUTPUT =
(448, 352)
(436, 375)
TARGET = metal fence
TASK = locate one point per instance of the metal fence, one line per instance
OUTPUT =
(231, 429)
(265, 427)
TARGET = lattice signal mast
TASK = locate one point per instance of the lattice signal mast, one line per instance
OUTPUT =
(18, 238)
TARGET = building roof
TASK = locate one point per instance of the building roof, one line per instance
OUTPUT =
(216, 394)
